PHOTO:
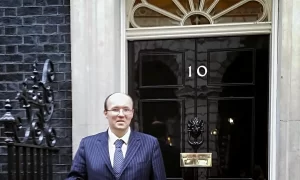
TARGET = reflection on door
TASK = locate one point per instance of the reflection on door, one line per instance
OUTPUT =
(222, 83)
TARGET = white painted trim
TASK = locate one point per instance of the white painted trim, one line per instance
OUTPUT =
(123, 46)
(273, 94)
(198, 31)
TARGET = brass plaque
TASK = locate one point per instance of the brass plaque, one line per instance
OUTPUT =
(195, 159)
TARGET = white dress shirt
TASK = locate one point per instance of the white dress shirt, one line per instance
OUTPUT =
(111, 146)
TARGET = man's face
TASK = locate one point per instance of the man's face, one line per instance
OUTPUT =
(119, 111)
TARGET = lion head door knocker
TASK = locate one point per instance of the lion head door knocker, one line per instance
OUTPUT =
(195, 129)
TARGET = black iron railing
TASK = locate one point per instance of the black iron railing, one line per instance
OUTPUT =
(31, 143)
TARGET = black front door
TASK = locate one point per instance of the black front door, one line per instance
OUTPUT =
(204, 95)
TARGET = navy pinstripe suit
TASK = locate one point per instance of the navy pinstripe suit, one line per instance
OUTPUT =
(143, 160)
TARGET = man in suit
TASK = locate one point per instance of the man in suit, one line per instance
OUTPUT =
(118, 153)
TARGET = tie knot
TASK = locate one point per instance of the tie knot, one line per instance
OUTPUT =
(119, 143)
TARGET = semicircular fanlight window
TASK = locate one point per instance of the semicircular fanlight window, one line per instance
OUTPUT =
(152, 13)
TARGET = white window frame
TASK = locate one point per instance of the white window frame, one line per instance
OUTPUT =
(210, 31)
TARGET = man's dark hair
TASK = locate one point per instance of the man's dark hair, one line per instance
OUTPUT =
(106, 99)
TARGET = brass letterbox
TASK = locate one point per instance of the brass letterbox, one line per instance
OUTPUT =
(195, 159)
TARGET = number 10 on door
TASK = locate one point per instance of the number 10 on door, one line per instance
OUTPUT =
(199, 73)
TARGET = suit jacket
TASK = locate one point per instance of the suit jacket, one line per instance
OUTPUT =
(143, 160)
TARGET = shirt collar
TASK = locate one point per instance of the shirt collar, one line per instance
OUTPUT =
(113, 137)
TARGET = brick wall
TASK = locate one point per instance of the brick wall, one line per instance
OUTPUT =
(35, 30)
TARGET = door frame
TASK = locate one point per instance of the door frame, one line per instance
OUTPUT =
(217, 30)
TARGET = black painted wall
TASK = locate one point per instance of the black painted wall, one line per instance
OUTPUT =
(35, 30)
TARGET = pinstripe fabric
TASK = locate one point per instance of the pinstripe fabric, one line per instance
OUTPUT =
(143, 160)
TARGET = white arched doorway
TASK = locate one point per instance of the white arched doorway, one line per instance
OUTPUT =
(151, 19)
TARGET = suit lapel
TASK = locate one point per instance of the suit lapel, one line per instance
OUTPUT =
(102, 145)
(133, 146)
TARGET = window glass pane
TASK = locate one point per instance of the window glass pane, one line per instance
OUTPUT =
(249, 12)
